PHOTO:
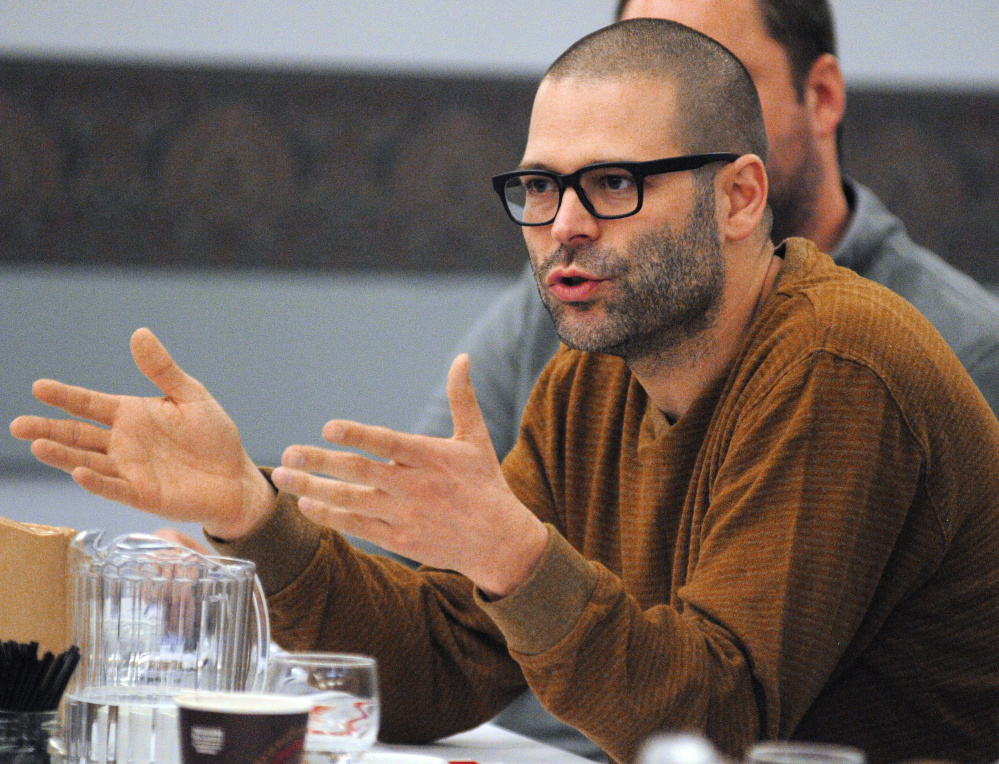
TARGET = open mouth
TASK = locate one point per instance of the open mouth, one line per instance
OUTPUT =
(572, 286)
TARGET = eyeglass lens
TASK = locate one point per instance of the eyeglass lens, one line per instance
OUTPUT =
(535, 199)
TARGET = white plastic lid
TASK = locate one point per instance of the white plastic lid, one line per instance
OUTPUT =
(233, 702)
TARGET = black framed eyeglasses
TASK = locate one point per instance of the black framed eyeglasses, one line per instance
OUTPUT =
(608, 190)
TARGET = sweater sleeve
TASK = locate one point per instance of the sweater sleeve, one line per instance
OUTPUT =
(443, 666)
(804, 499)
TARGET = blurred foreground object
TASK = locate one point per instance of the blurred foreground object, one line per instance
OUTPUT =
(679, 748)
(30, 691)
(795, 752)
(33, 596)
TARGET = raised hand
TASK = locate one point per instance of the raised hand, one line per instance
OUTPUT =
(441, 501)
(178, 456)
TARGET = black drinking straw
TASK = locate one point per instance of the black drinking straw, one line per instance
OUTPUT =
(37, 686)
(67, 665)
(28, 683)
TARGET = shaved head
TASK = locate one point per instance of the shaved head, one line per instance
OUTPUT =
(719, 109)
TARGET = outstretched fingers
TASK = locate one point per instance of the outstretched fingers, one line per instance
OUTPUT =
(159, 367)
(469, 424)
(68, 432)
(334, 492)
(78, 401)
(343, 465)
(68, 459)
(378, 441)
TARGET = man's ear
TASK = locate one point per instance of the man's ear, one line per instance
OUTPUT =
(741, 187)
(825, 96)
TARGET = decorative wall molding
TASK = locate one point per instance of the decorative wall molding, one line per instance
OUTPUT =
(216, 167)
(222, 167)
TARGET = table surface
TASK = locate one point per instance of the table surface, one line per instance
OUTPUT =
(490, 744)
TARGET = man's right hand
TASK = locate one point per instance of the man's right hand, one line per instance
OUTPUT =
(178, 456)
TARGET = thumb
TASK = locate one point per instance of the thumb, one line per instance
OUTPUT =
(155, 362)
(469, 424)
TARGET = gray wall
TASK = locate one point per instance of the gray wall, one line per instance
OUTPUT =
(916, 42)
(283, 354)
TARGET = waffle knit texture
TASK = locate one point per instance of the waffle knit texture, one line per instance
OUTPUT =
(811, 551)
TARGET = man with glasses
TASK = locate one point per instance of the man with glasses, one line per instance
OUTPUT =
(754, 497)
(789, 50)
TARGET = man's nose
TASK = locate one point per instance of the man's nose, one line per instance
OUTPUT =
(573, 222)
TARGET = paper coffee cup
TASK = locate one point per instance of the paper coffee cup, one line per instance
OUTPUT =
(242, 727)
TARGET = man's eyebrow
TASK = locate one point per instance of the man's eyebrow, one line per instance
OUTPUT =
(549, 168)
(534, 166)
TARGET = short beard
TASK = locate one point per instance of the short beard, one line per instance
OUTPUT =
(668, 288)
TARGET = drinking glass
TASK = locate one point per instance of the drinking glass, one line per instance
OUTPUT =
(26, 736)
(344, 722)
(795, 752)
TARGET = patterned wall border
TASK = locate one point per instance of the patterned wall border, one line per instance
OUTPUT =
(220, 167)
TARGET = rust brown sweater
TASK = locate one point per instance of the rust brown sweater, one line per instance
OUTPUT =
(812, 551)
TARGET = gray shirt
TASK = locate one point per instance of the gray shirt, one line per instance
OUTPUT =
(514, 340)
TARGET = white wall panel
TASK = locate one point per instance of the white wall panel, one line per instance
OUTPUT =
(915, 42)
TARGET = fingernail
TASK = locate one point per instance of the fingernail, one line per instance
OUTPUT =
(294, 459)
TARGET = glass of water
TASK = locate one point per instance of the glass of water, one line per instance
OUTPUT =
(344, 722)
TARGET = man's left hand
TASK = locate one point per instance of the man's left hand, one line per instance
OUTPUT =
(441, 501)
